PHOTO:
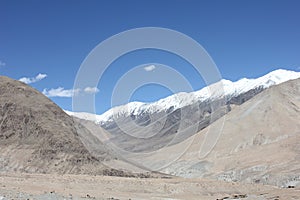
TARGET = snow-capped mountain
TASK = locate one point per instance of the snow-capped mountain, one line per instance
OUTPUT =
(221, 89)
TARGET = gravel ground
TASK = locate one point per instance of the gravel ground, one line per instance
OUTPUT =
(52, 187)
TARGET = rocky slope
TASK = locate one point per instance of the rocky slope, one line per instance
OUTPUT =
(36, 136)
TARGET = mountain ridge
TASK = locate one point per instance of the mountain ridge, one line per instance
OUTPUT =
(223, 88)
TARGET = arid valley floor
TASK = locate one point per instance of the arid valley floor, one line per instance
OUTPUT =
(29, 186)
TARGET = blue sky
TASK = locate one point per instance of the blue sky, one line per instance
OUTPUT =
(46, 41)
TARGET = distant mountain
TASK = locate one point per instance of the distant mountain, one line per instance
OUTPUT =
(258, 121)
(182, 114)
(233, 91)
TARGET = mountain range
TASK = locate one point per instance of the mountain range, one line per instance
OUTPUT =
(235, 93)
(245, 133)
(254, 129)
(147, 127)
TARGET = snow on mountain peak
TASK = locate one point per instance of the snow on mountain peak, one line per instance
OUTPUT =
(217, 90)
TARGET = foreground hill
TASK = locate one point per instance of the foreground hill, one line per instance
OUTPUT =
(36, 136)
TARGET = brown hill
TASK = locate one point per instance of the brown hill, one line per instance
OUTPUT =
(37, 136)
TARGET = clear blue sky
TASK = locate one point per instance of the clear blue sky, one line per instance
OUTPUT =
(244, 38)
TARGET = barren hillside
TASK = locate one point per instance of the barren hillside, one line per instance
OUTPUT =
(36, 136)
(259, 142)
